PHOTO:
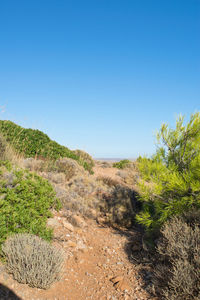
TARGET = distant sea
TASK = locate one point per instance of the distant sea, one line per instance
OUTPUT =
(112, 159)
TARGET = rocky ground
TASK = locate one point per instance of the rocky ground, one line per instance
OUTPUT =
(99, 261)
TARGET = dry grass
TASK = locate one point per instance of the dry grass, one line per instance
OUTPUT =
(84, 156)
(129, 175)
(178, 274)
(103, 164)
(50, 169)
(7, 152)
(109, 181)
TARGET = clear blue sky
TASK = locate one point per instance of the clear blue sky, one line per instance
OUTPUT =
(99, 75)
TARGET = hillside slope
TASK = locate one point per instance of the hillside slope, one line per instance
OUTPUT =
(35, 143)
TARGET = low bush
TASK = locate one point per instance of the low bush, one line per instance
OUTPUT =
(34, 165)
(25, 202)
(54, 178)
(129, 176)
(178, 273)
(32, 260)
(119, 205)
(69, 167)
(122, 164)
(85, 157)
(80, 194)
(51, 170)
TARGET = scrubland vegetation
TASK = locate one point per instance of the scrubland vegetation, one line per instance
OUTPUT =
(34, 143)
(122, 164)
(160, 194)
(169, 188)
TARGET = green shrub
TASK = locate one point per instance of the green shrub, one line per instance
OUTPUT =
(122, 164)
(170, 180)
(85, 157)
(34, 143)
(32, 260)
(25, 202)
(178, 274)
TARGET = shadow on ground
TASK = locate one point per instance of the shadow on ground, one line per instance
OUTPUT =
(142, 257)
(144, 261)
(121, 205)
(7, 294)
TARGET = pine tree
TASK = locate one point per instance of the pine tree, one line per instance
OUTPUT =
(170, 179)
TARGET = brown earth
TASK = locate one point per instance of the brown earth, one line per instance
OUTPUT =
(98, 264)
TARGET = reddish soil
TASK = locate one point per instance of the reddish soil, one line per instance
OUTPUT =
(95, 254)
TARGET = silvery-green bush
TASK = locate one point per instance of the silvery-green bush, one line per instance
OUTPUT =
(32, 260)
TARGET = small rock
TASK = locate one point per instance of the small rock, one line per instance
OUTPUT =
(99, 265)
(78, 221)
(116, 279)
(68, 226)
(81, 245)
(104, 266)
(120, 283)
(53, 222)
(71, 244)
(122, 286)
(5, 276)
(2, 269)
(83, 250)
(100, 220)
(81, 261)
(93, 213)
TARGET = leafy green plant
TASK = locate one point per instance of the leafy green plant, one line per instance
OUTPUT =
(34, 143)
(122, 164)
(25, 202)
(170, 180)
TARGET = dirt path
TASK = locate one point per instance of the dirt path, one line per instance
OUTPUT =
(97, 264)
(95, 255)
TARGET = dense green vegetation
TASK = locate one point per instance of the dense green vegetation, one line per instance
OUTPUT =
(170, 194)
(34, 143)
(170, 180)
(25, 202)
(122, 164)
